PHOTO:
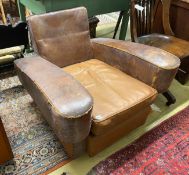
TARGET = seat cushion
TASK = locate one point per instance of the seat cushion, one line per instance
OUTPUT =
(117, 96)
(171, 44)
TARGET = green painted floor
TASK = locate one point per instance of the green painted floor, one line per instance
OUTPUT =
(161, 112)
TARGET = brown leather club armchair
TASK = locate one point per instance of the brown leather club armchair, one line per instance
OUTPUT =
(91, 92)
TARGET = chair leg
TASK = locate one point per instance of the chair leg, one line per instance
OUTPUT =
(170, 98)
(118, 23)
(182, 76)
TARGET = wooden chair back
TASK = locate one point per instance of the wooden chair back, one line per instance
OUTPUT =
(143, 13)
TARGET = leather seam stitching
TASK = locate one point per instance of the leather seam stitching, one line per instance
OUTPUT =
(50, 102)
(123, 109)
(122, 50)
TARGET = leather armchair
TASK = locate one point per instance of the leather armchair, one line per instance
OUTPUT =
(91, 92)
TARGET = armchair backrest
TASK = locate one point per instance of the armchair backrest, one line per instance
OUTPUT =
(61, 37)
(142, 20)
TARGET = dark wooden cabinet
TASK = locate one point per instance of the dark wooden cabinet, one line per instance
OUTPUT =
(5, 149)
(179, 19)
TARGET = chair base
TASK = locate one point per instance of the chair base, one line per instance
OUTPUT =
(170, 98)
(74, 150)
(96, 144)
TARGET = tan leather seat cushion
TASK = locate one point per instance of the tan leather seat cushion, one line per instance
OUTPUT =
(117, 96)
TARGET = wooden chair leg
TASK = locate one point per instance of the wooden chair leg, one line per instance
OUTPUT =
(170, 98)
(118, 23)
(182, 76)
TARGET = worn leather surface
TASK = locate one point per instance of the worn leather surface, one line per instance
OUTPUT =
(171, 44)
(187, 1)
(64, 102)
(117, 96)
(121, 103)
(95, 144)
(61, 37)
(153, 66)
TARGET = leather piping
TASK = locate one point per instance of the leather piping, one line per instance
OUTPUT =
(165, 68)
(50, 102)
(124, 109)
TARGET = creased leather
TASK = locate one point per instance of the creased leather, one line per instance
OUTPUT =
(61, 37)
(64, 102)
(117, 96)
(153, 66)
(62, 40)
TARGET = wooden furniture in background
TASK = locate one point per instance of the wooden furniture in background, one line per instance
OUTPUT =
(179, 15)
(142, 21)
(94, 8)
(144, 26)
(14, 40)
(2, 12)
(93, 22)
(5, 151)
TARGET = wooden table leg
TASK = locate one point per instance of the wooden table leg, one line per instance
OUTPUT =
(41, 6)
(124, 25)
(118, 24)
(22, 11)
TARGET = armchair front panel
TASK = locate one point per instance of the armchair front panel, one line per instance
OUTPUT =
(62, 37)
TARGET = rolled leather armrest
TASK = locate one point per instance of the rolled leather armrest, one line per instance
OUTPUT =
(151, 65)
(63, 101)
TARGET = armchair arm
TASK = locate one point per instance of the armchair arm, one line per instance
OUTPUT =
(151, 65)
(63, 101)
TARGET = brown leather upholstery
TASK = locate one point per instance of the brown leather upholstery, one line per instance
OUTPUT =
(95, 144)
(117, 96)
(171, 44)
(56, 36)
(121, 102)
(153, 66)
(59, 97)
(174, 45)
